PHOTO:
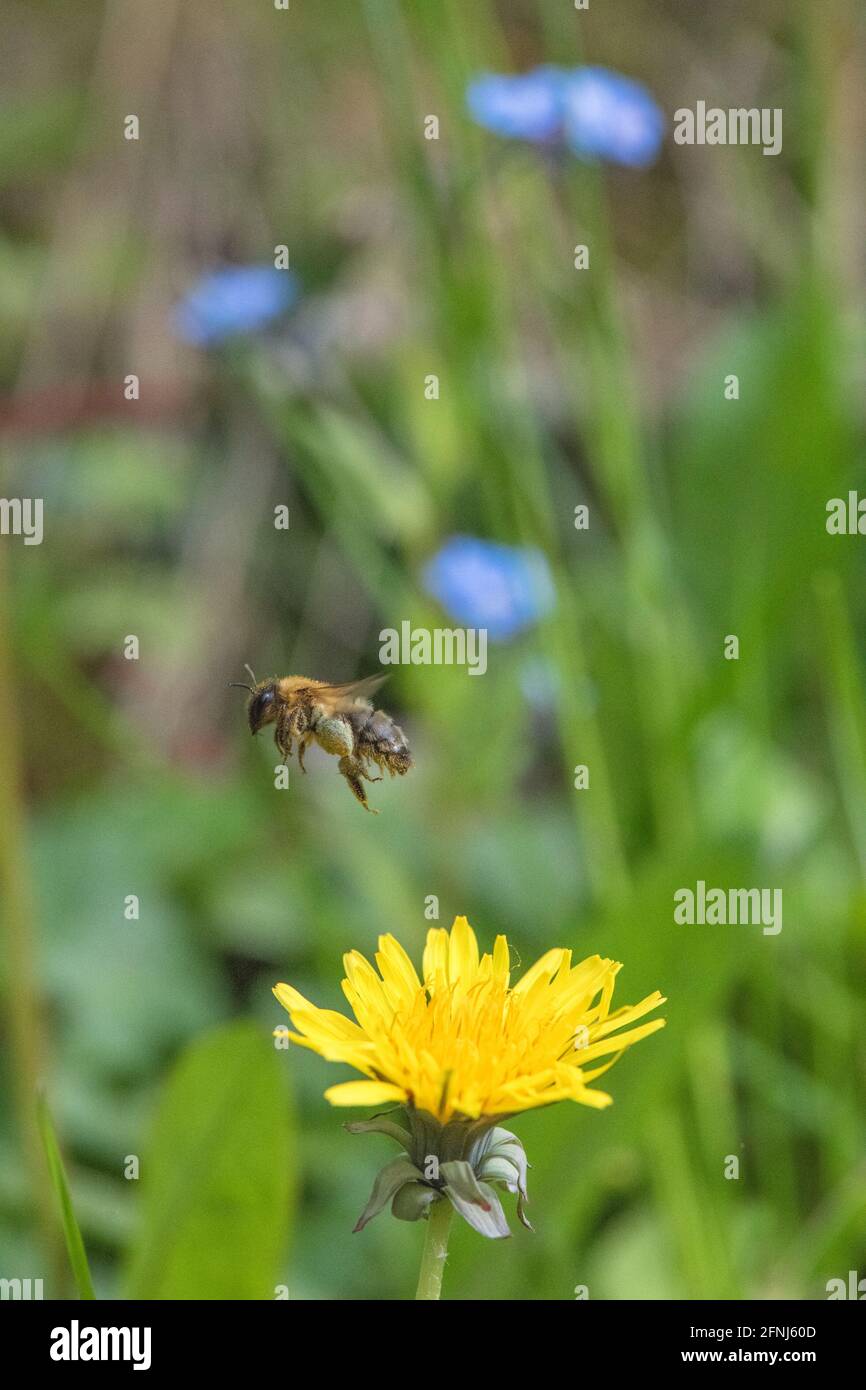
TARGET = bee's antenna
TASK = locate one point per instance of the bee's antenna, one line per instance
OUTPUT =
(239, 685)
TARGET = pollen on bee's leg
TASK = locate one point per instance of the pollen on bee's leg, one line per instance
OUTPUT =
(399, 763)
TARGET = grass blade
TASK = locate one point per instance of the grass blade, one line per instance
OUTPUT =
(71, 1231)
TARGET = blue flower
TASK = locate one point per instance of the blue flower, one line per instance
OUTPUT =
(595, 113)
(237, 299)
(608, 116)
(484, 584)
(525, 107)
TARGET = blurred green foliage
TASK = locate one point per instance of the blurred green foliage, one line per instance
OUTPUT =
(557, 388)
(202, 1174)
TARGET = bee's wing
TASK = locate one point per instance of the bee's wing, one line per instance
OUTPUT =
(350, 691)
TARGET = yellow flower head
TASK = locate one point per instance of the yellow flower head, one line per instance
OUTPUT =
(465, 1041)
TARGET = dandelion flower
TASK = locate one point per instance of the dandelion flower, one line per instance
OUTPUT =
(460, 1049)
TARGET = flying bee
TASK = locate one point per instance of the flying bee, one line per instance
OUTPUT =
(340, 718)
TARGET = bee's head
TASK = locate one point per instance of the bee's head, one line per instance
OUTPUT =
(262, 708)
(262, 705)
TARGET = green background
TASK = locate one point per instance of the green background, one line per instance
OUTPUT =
(557, 387)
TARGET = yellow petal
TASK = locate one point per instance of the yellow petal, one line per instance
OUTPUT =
(325, 1023)
(580, 986)
(364, 1093)
(435, 962)
(543, 969)
(462, 954)
(290, 998)
(398, 973)
(618, 1042)
(587, 1095)
(501, 958)
(620, 1017)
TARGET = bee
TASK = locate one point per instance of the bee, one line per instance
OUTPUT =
(340, 718)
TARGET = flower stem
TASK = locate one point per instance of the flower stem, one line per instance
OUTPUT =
(435, 1250)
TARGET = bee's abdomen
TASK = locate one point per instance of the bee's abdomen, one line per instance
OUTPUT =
(381, 740)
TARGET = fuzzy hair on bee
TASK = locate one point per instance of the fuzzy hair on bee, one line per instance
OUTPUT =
(341, 719)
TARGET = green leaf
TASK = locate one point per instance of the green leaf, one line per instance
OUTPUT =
(71, 1231)
(377, 484)
(217, 1179)
(389, 1180)
(381, 1125)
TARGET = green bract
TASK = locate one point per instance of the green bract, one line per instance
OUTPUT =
(463, 1161)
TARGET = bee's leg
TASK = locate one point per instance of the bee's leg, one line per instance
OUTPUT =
(302, 747)
(291, 725)
(362, 762)
(283, 734)
(396, 762)
(301, 728)
(334, 734)
(353, 772)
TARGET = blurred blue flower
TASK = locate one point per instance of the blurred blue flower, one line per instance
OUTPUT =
(525, 107)
(595, 113)
(484, 584)
(608, 116)
(540, 682)
(234, 300)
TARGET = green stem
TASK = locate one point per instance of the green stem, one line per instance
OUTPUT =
(16, 935)
(435, 1250)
